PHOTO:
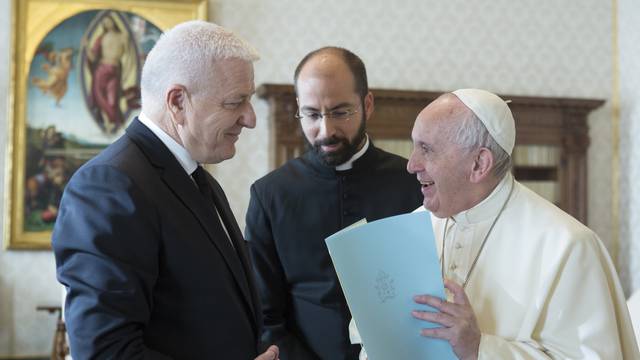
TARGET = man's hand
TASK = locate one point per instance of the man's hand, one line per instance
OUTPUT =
(457, 318)
(272, 353)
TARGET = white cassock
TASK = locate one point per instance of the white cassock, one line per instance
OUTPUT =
(544, 285)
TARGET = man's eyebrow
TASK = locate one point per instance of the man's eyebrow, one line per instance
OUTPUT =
(309, 108)
(240, 96)
(339, 106)
(247, 95)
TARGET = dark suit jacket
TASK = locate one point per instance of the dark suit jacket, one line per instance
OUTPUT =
(149, 270)
(292, 210)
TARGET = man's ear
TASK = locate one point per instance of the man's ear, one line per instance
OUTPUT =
(176, 101)
(482, 165)
(368, 105)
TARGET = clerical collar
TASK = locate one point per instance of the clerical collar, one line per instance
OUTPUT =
(349, 164)
(487, 208)
(181, 154)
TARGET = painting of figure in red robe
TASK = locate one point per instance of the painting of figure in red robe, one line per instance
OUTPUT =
(83, 91)
(110, 70)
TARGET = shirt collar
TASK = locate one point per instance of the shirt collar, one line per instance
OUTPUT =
(489, 207)
(182, 155)
(349, 164)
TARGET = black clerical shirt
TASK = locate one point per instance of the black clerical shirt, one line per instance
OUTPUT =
(292, 210)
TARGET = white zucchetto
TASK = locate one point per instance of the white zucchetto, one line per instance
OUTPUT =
(494, 114)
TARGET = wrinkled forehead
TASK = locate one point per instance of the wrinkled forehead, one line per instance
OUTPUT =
(439, 119)
(229, 70)
(226, 77)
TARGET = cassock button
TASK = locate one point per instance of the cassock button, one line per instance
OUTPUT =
(345, 196)
(453, 267)
(458, 246)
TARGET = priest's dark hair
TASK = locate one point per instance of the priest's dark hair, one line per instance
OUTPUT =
(355, 64)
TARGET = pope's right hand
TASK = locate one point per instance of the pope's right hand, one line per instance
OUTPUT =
(272, 353)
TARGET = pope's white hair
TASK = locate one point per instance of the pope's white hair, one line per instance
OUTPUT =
(472, 134)
(184, 55)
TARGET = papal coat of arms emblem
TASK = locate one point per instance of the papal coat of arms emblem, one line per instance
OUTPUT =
(384, 287)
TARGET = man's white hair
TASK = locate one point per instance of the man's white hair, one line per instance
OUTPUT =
(184, 55)
(472, 134)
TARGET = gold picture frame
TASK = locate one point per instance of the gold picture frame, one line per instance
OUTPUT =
(75, 71)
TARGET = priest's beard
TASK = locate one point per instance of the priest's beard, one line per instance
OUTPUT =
(345, 152)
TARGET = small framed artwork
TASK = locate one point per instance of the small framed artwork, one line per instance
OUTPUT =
(75, 86)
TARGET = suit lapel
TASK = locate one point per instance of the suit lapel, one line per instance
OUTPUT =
(185, 189)
(205, 213)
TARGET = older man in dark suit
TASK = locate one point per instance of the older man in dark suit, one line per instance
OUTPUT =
(146, 244)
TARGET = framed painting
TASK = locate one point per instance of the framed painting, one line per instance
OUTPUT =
(75, 75)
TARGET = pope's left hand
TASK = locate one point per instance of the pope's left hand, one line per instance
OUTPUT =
(459, 325)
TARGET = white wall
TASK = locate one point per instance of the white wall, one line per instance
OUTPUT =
(629, 44)
(27, 279)
(528, 47)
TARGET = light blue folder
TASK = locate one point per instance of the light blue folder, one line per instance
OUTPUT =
(381, 266)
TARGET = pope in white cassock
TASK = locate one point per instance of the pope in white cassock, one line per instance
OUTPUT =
(525, 280)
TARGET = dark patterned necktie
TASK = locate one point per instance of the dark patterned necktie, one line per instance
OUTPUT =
(203, 184)
(215, 199)
(200, 177)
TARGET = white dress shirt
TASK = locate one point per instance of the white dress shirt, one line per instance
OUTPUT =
(181, 154)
